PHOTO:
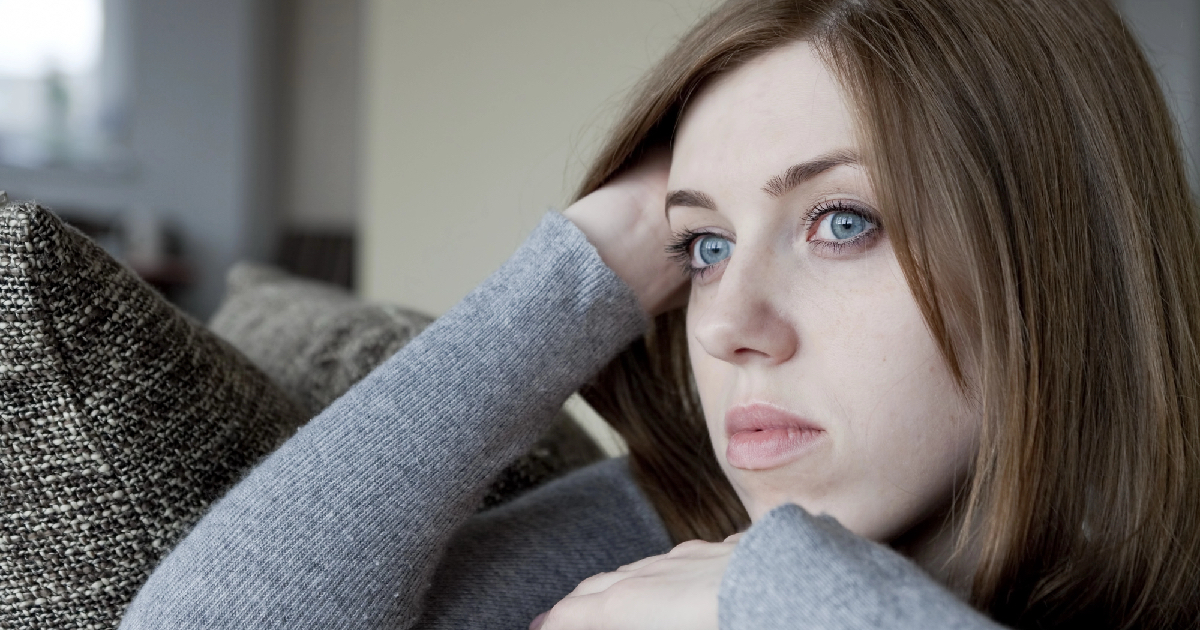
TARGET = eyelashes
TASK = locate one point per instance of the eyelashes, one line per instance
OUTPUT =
(815, 223)
(683, 245)
(681, 251)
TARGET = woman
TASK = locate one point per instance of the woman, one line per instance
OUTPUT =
(941, 259)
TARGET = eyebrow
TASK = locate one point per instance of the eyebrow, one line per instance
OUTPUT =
(777, 186)
(780, 184)
(690, 199)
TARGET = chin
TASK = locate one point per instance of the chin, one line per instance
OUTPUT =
(759, 500)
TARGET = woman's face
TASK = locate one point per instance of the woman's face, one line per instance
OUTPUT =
(820, 383)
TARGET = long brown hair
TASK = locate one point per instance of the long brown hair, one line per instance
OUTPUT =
(1032, 186)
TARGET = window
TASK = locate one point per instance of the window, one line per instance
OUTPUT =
(62, 98)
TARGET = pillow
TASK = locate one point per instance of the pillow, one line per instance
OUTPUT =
(316, 340)
(121, 420)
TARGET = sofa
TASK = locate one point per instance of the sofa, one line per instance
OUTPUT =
(122, 419)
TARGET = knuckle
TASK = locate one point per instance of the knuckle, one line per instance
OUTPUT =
(554, 619)
(637, 564)
(687, 546)
(592, 581)
(594, 584)
(623, 588)
(569, 614)
(613, 603)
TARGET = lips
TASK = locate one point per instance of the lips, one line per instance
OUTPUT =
(763, 436)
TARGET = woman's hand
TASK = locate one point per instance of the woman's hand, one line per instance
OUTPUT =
(625, 220)
(676, 590)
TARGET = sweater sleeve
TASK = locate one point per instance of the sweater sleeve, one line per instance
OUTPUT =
(345, 524)
(792, 570)
(514, 562)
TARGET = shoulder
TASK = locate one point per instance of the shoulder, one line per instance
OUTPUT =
(506, 565)
(795, 570)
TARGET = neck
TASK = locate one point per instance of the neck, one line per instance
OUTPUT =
(931, 545)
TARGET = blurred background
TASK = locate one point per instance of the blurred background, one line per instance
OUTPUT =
(402, 147)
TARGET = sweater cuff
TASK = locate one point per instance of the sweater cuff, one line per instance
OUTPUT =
(793, 570)
(586, 292)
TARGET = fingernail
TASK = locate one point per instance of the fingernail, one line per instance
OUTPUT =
(537, 621)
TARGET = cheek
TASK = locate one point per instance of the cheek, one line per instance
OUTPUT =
(910, 436)
(868, 369)
(713, 378)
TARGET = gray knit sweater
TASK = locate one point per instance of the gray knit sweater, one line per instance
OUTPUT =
(364, 519)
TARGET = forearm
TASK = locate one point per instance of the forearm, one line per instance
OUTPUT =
(509, 564)
(344, 525)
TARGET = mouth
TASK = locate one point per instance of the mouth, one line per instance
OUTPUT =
(763, 436)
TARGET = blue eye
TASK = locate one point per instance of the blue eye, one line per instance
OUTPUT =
(710, 249)
(841, 226)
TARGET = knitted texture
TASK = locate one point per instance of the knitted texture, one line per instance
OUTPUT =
(344, 526)
(316, 340)
(796, 571)
(506, 566)
(120, 421)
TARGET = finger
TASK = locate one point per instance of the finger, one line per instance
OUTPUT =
(634, 566)
(573, 613)
(688, 546)
(598, 583)
(699, 549)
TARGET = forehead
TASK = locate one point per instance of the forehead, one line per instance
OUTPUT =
(779, 109)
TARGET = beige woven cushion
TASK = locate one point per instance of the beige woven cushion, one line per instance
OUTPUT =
(120, 421)
(316, 340)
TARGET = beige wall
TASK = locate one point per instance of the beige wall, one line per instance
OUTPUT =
(478, 116)
(322, 152)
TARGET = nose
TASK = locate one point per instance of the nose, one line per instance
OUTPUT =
(744, 318)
